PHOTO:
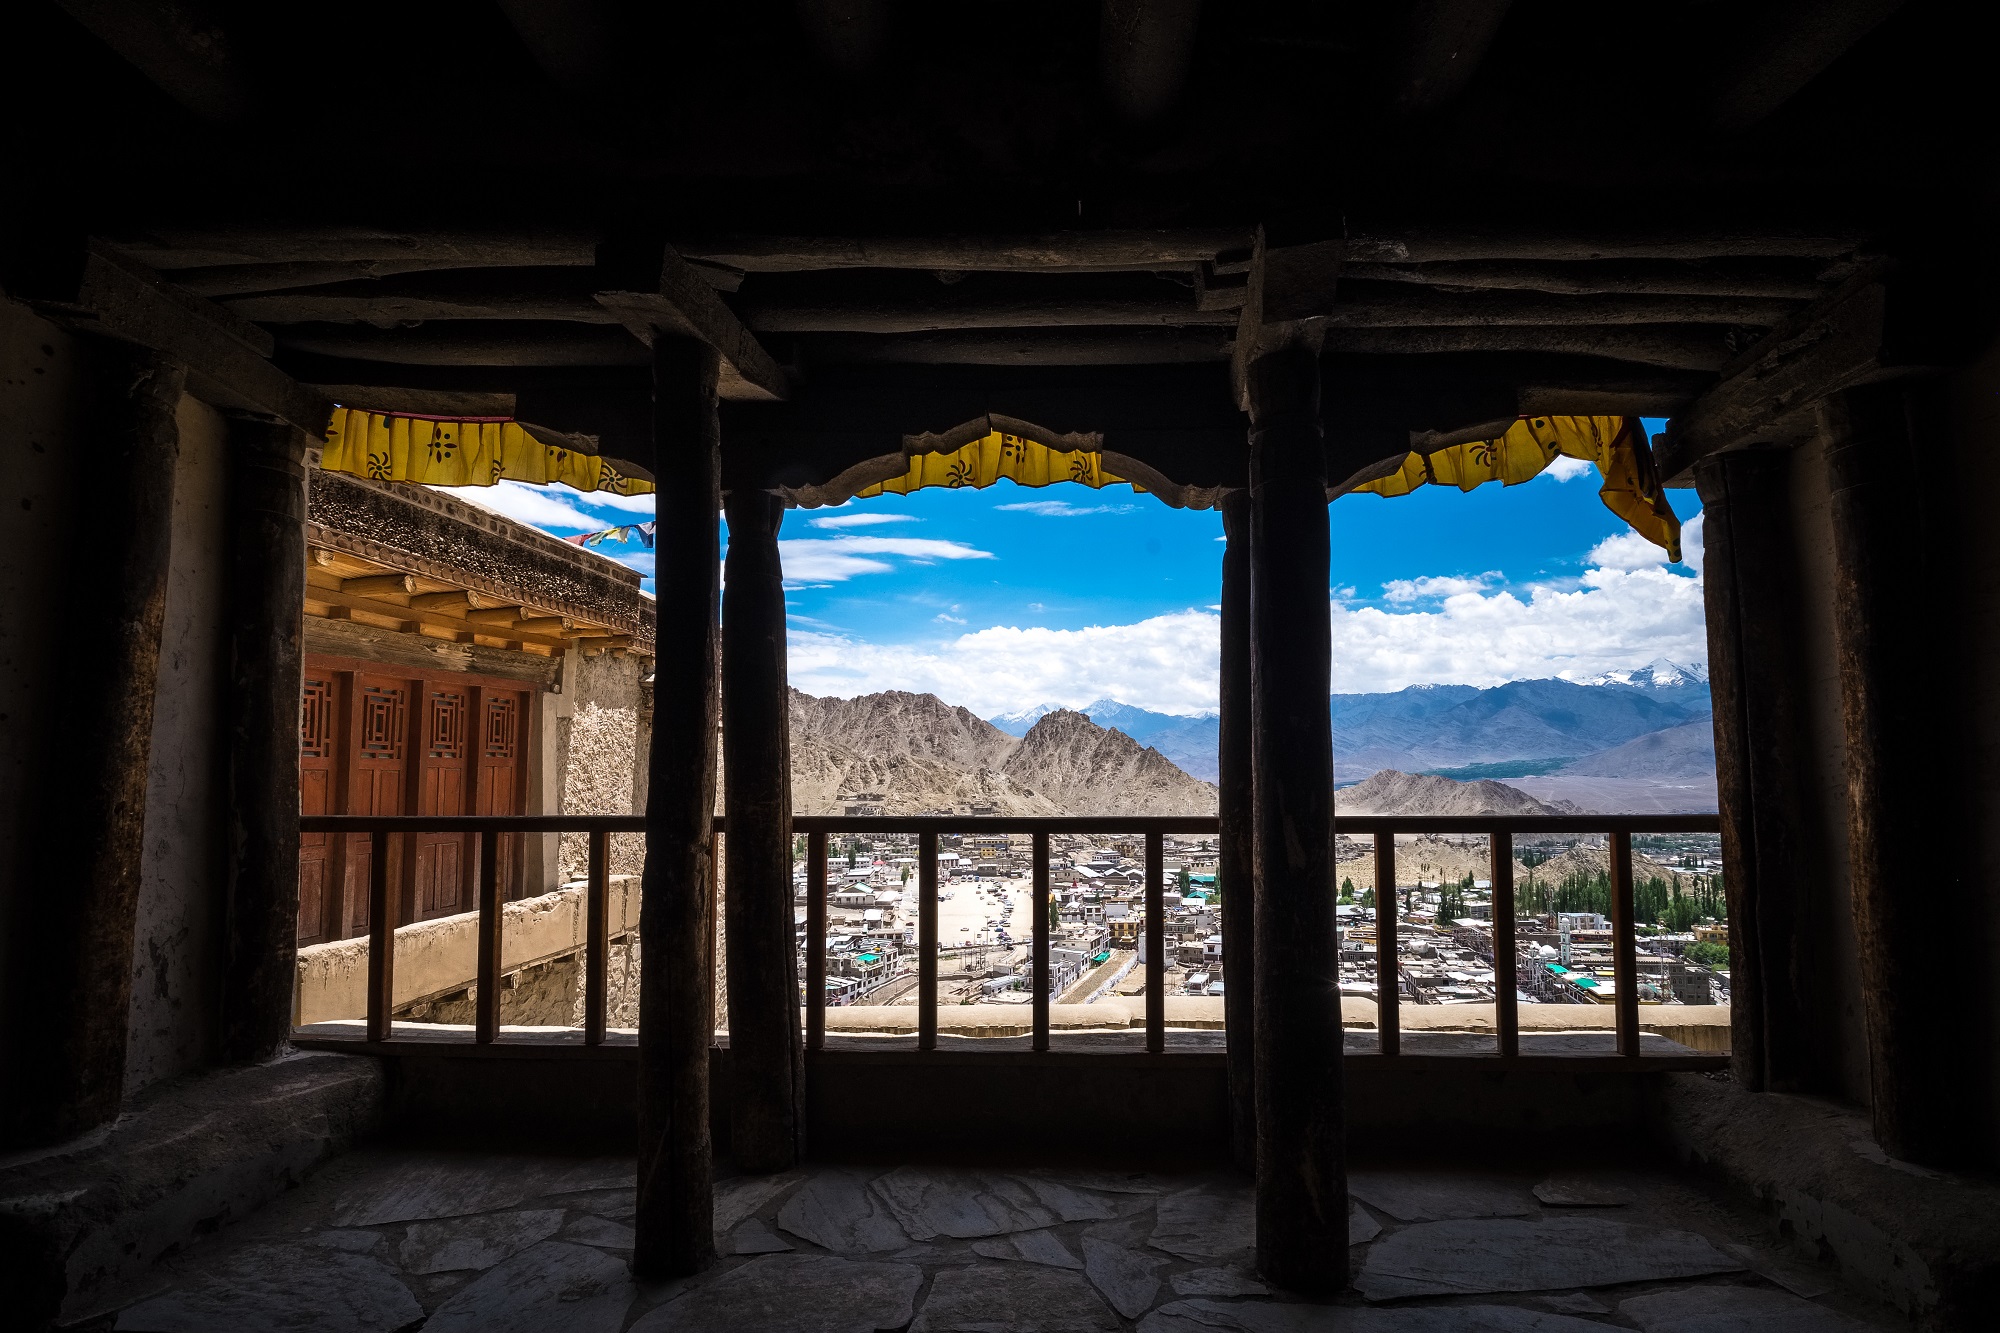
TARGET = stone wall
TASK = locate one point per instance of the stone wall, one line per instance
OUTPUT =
(597, 749)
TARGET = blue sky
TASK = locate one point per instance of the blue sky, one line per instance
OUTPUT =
(1008, 597)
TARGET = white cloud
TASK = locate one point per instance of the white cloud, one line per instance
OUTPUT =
(1617, 618)
(631, 504)
(861, 520)
(1626, 550)
(1167, 663)
(834, 559)
(1060, 508)
(944, 619)
(538, 506)
(1440, 585)
(1036, 606)
(1564, 468)
(1691, 549)
(1613, 619)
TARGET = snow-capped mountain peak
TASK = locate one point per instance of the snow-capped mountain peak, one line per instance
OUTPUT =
(1657, 675)
(1018, 722)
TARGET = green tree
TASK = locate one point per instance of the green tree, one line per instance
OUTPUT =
(850, 856)
(1185, 881)
(1708, 953)
(906, 874)
(1055, 916)
(1347, 892)
(1368, 898)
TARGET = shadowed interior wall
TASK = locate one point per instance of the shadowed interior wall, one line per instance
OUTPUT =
(174, 955)
(40, 421)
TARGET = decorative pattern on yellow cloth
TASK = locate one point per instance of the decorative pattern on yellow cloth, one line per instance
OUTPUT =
(1617, 445)
(988, 459)
(461, 453)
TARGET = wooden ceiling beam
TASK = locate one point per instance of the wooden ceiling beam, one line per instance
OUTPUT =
(562, 295)
(683, 302)
(1445, 42)
(1781, 47)
(1421, 245)
(91, 287)
(1755, 278)
(1769, 394)
(1672, 346)
(1365, 305)
(170, 248)
(1022, 347)
(944, 312)
(1080, 251)
(182, 48)
(493, 343)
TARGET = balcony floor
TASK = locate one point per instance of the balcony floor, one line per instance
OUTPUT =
(386, 1239)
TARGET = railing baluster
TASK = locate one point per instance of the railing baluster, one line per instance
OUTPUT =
(486, 1015)
(381, 940)
(1506, 1005)
(927, 940)
(1624, 944)
(597, 940)
(1156, 944)
(1388, 1016)
(1039, 977)
(815, 941)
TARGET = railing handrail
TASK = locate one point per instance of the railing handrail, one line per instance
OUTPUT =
(1500, 830)
(1180, 824)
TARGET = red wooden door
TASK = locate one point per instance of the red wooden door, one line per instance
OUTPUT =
(443, 870)
(319, 728)
(500, 780)
(378, 741)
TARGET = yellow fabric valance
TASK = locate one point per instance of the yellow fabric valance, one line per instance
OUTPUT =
(1616, 445)
(432, 452)
(988, 459)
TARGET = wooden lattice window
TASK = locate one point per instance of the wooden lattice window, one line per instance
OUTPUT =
(381, 723)
(502, 721)
(444, 726)
(316, 720)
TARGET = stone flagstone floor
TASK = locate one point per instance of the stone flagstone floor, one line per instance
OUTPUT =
(387, 1239)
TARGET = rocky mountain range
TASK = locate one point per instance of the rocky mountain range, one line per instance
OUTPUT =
(1645, 725)
(915, 754)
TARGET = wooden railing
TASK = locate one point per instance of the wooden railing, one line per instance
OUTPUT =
(1499, 830)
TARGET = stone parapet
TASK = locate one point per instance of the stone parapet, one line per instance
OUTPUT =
(441, 957)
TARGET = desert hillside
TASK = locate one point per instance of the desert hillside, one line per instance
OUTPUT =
(916, 754)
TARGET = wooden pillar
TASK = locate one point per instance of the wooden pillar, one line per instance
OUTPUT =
(267, 578)
(1237, 826)
(71, 969)
(1301, 1173)
(766, 1050)
(1905, 723)
(677, 911)
(1751, 585)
